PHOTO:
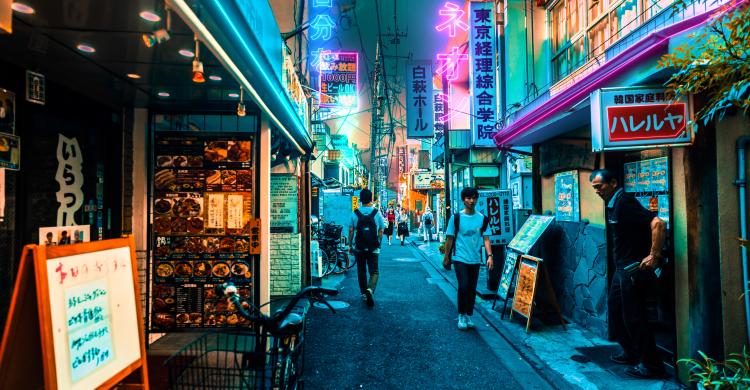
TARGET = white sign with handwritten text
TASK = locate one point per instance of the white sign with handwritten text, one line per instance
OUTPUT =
(94, 318)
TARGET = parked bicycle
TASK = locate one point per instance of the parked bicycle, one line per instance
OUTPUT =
(333, 249)
(265, 355)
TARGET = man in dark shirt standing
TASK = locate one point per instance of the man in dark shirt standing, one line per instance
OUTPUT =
(637, 238)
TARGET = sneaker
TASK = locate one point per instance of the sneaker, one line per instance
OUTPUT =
(469, 322)
(389, 243)
(623, 358)
(364, 298)
(462, 322)
(368, 298)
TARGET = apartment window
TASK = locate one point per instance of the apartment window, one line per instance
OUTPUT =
(598, 37)
(576, 16)
(559, 26)
(624, 18)
(597, 8)
(653, 7)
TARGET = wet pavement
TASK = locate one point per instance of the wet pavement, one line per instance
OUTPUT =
(409, 338)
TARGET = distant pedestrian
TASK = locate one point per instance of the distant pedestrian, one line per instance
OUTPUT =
(368, 224)
(390, 217)
(465, 234)
(637, 237)
(403, 226)
(427, 222)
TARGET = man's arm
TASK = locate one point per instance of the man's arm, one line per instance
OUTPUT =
(351, 237)
(658, 234)
(447, 251)
(488, 249)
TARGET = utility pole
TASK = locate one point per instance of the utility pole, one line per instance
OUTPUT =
(374, 169)
(447, 152)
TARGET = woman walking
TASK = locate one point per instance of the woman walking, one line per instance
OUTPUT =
(403, 226)
(390, 217)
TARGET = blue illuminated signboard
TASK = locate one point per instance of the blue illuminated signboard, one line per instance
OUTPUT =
(419, 100)
(482, 71)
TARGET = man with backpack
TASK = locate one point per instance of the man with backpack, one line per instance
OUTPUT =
(427, 224)
(368, 224)
(465, 234)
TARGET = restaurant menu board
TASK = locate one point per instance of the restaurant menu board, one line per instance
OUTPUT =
(496, 206)
(284, 198)
(643, 178)
(509, 267)
(530, 232)
(649, 180)
(630, 176)
(659, 175)
(93, 316)
(526, 288)
(203, 229)
(567, 197)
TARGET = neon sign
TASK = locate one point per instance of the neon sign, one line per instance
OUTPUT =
(338, 79)
(453, 21)
(449, 63)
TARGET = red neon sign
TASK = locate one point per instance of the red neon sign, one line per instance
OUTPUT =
(646, 122)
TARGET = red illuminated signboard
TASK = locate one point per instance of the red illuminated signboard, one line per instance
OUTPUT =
(638, 118)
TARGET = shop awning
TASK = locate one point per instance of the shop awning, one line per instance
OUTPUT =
(244, 37)
(569, 108)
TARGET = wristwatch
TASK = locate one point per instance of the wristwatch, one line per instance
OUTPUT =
(488, 256)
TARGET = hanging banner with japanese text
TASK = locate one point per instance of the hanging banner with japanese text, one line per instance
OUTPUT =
(497, 206)
(322, 30)
(637, 118)
(482, 72)
(401, 159)
(419, 100)
(567, 203)
(338, 80)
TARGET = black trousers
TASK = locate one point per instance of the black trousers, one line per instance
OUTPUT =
(367, 262)
(467, 276)
(627, 301)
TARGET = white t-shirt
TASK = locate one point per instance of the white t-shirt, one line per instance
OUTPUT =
(468, 241)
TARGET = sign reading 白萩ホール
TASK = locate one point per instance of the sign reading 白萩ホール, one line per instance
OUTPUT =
(419, 103)
(636, 118)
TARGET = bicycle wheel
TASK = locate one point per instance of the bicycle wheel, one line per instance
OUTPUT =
(351, 260)
(340, 266)
(330, 263)
(324, 263)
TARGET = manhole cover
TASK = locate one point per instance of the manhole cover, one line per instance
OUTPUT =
(407, 259)
(580, 358)
(337, 305)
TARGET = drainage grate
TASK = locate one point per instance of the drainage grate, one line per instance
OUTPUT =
(407, 259)
(337, 305)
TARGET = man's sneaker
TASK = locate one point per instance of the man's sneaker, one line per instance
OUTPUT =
(462, 322)
(368, 297)
(623, 358)
(364, 298)
(469, 322)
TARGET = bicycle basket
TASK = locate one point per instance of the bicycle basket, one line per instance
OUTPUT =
(236, 360)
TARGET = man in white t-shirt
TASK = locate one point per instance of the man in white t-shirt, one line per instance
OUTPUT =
(368, 224)
(472, 233)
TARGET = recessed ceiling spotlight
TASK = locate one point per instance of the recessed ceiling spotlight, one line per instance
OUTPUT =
(163, 94)
(133, 75)
(150, 16)
(187, 53)
(234, 95)
(214, 77)
(22, 8)
(85, 48)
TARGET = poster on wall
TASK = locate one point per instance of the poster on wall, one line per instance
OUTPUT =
(643, 180)
(567, 202)
(659, 175)
(284, 198)
(630, 176)
(497, 206)
(63, 235)
(10, 151)
(7, 111)
(203, 228)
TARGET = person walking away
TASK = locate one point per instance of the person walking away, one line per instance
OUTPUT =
(368, 224)
(465, 234)
(403, 226)
(390, 216)
(427, 223)
(637, 237)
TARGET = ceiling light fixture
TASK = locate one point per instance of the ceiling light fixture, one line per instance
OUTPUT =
(85, 48)
(160, 35)
(163, 94)
(22, 8)
(186, 53)
(233, 95)
(150, 16)
(198, 76)
(214, 77)
(133, 75)
(241, 104)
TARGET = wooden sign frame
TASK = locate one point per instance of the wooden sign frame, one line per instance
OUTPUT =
(548, 289)
(28, 335)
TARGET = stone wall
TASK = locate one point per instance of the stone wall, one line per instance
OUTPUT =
(576, 256)
(286, 263)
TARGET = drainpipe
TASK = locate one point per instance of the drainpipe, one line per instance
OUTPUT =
(742, 143)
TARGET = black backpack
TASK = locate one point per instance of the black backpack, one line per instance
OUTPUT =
(428, 219)
(366, 239)
(457, 223)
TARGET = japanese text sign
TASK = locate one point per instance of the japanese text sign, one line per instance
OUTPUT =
(633, 118)
(452, 20)
(567, 197)
(322, 28)
(338, 79)
(497, 206)
(530, 232)
(482, 71)
(401, 159)
(419, 100)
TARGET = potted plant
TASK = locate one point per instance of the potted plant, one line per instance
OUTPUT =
(708, 373)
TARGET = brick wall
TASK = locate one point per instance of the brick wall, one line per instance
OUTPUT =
(286, 263)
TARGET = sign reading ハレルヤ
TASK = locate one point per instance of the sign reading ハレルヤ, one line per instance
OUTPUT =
(496, 205)
(632, 118)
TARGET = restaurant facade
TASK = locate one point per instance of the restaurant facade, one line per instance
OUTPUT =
(604, 106)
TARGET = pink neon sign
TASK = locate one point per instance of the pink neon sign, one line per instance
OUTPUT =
(454, 19)
(449, 63)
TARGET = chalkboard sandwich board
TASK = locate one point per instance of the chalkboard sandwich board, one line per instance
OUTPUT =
(75, 316)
